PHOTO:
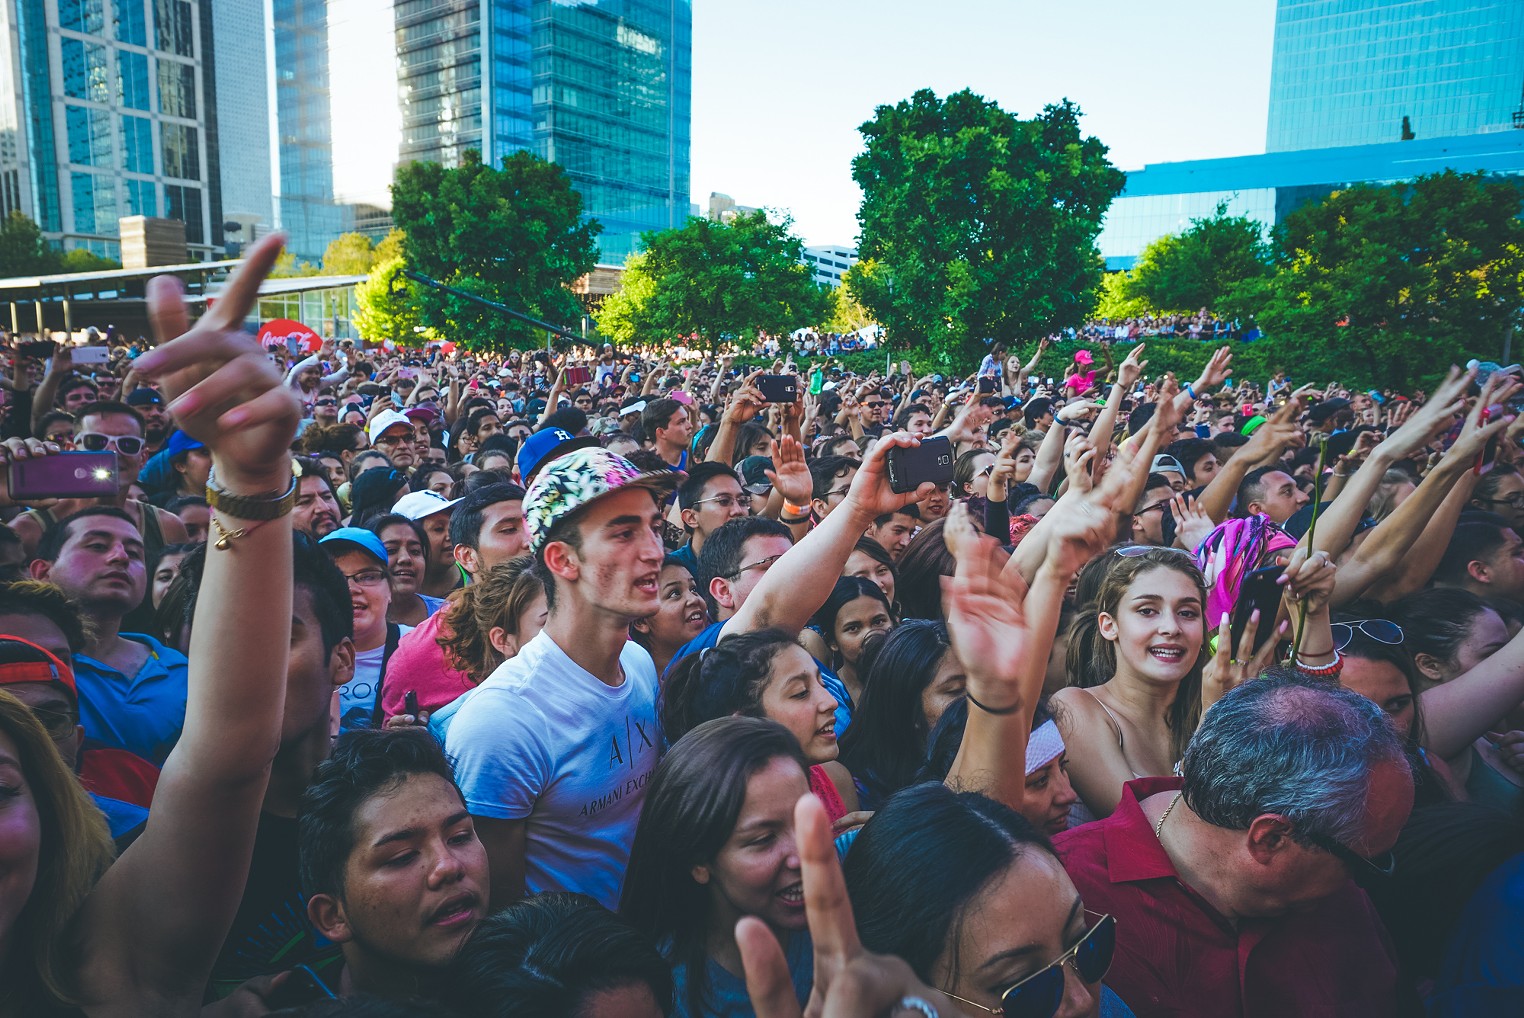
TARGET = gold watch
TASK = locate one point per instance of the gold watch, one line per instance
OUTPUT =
(250, 507)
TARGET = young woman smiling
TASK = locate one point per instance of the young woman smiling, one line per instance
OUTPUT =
(407, 556)
(681, 617)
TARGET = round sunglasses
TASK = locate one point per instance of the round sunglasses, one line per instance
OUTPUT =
(1041, 994)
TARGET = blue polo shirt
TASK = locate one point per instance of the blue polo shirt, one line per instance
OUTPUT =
(140, 713)
(711, 636)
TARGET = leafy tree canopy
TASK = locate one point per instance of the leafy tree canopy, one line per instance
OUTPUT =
(982, 225)
(386, 305)
(716, 281)
(24, 251)
(514, 235)
(349, 254)
(1193, 270)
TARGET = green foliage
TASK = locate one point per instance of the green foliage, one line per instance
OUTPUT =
(1199, 266)
(390, 247)
(77, 259)
(23, 251)
(514, 235)
(287, 266)
(715, 281)
(1392, 284)
(980, 225)
(386, 305)
(847, 313)
(1114, 299)
(349, 254)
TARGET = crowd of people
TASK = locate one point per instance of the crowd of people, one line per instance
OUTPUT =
(509, 683)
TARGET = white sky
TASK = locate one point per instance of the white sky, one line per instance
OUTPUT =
(780, 87)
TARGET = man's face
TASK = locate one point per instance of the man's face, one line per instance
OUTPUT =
(61, 432)
(835, 494)
(325, 410)
(116, 426)
(100, 565)
(77, 397)
(618, 569)
(311, 675)
(1205, 469)
(1508, 500)
(584, 402)
(316, 513)
(918, 423)
(679, 429)
(1224, 424)
(718, 504)
(416, 882)
(48, 701)
(1148, 522)
(1505, 568)
(500, 539)
(894, 536)
(155, 421)
(488, 426)
(1282, 497)
(397, 443)
(875, 409)
(758, 555)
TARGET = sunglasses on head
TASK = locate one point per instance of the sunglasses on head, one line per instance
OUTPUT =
(1380, 630)
(127, 445)
(1041, 994)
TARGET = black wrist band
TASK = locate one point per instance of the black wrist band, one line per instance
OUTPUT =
(1012, 709)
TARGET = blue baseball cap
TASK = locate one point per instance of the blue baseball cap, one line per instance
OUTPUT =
(358, 537)
(543, 446)
(180, 442)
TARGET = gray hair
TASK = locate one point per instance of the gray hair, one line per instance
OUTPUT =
(1289, 745)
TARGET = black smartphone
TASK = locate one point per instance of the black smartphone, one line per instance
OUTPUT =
(1260, 590)
(64, 475)
(410, 703)
(932, 461)
(778, 388)
(986, 384)
(41, 350)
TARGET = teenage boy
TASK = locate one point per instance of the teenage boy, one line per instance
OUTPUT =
(554, 749)
(668, 428)
(711, 497)
(893, 531)
(391, 865)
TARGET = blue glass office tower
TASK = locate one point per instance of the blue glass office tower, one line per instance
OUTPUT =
(1345, 72)
(602, 87)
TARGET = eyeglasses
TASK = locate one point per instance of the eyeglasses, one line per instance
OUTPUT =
(367, 577)
(762, 563)
(1139, 550)
(1380, 630)
(94, 441)
(57, 724)
(1363, 870)
(836, 492)
(1516, 500)
(1041, 994)
(393, 439)
(728, 501)
(1150, 508)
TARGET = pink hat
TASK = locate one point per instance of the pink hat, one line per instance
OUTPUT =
(1084, 357)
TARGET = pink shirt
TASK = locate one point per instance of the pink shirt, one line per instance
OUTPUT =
(419, 664)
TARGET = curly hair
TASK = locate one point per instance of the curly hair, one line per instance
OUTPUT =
(497, 599)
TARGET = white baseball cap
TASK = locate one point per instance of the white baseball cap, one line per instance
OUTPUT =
(415, 505)
(386, 419)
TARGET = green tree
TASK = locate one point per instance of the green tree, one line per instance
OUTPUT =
(23, 250)
(77, 259)
(847, 313)
(386, 305)
(624, 317)
(1196, 268)
(718, 281)
(514, 235)
(349, 254)
(1115, 300)
(1390, 284)
(982, 225)
(390, 247)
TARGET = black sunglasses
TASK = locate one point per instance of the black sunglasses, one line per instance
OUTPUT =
(1041, 994)
(1363, 870)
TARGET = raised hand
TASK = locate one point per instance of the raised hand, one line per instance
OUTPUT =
(790, 475)
(1131, 368)
(1192, 524)
(1230, 667)
(1217, 369)
(870, 493)
(747, 401)
(219, 384)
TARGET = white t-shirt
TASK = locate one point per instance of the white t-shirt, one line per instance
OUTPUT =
(543, 739)
(357, 697)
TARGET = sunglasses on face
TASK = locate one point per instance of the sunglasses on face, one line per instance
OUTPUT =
(127, 445)
(1380, 630)
(1041, 994)
(1367, 871)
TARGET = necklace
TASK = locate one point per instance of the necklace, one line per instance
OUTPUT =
(1159, 827)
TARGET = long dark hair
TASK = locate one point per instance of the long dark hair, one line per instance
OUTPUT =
(728, 678)
(925, 561)
(690, 811)
(884, 743)
(847, 590)
(952, 844)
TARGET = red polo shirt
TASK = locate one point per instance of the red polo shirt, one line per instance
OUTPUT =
(1177, 956)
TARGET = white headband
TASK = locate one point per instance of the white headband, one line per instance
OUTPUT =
(1044, 746)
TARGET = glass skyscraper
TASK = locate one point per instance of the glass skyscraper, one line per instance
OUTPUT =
(1345, 72)
(602, 87)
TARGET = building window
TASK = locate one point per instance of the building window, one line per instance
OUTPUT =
(131, 27)
(181, 156)
(173, 28)
(89, 136)
(94, 204)
(141, 200)
(137, 144)
(177, 89)
(184, 204)
(84, 70)
(132, 80)
(82, 16)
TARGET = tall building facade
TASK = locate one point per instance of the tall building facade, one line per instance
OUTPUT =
(108, 109)
(1346, 72)
(243, 115)
(602, 87)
